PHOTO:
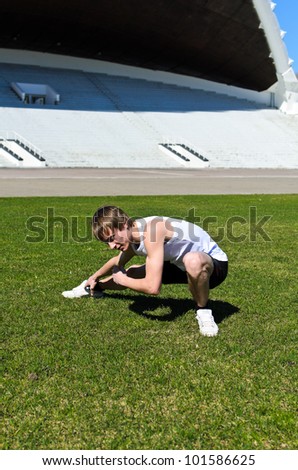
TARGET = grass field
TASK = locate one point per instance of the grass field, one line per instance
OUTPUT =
(131, 371)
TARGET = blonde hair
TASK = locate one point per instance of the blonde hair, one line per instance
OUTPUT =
(108, 218)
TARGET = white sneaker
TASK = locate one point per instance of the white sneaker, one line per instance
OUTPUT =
(82, 291)
(77, 292)
(207, 325)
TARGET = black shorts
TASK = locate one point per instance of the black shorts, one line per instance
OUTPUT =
(171, 274)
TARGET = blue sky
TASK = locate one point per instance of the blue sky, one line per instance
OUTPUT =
(287, 15)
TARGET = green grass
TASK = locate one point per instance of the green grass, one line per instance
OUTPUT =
(131, 371)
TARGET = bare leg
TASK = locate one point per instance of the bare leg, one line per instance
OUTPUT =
(199, 267)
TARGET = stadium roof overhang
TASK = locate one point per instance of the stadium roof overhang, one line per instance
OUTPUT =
(210, 39)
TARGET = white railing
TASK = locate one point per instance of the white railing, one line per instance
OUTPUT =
(180, 140)
(12, 135)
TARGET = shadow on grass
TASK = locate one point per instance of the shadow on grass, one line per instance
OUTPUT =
(149, 307)
(222, 310)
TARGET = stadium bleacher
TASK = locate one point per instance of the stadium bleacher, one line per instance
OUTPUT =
(113, 121)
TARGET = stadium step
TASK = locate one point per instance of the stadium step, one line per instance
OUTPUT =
(185, 154)
(19, 151)
(115, 121)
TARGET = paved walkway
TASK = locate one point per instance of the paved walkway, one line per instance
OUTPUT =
(111, 182)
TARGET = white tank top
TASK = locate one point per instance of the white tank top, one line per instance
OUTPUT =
(187, 237)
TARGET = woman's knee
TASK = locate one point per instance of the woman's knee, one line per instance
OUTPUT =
(197, 262)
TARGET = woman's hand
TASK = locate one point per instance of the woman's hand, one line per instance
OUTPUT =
(92, 281)
(119, 275)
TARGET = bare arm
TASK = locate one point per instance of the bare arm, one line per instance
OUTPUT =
(154, 244)
(119, 260)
